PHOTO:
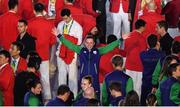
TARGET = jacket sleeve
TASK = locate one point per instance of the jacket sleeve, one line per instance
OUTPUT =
(108, 48)
(33, 101)
(156, 74)
(129, 86)
(158, 96)
(70, 45)
(1, 99)
(5, 80)
(105, 101)
(174, 93)
(78, 95)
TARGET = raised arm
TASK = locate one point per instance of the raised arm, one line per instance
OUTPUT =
(66, 42)
(108, 48)
(69, 44)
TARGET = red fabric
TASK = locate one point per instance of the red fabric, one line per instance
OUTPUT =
(73, 9)
(41, 29)
(22, 65)
(3, 6)
(172, 12)
(177, 38)
(137, 9)
(66, 54)
(158, 4)
(115, 6)
(105, 65)
(86, 21)
(77, 3)
(25, 9)
(8, 29)
(134, 45)
(37, 73)
(7, 85)
(87, 7)
(151, 19)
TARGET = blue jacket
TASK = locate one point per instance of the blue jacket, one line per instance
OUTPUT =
(31, 99)
(166, 92)
(90, 65)
(115, 101)
(149, 60)
(56, 102)
(81, 102)
(126, 85)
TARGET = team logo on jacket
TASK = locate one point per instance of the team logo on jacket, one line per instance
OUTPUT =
(94, 52)
(85, 52)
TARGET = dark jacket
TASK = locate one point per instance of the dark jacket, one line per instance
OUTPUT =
(29, 44)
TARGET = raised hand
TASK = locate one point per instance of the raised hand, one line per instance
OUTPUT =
(55, 31)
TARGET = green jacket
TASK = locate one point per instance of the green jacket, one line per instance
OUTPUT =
(77, 49)
(1, 99)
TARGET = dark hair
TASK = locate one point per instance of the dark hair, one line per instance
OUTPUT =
(140, 23)
(166, 63)
(132, 99)
(151, 99)
(172, 68)
(63, 89)
(117, 60)
(23, 21)
(93, 102)
(176, 47)
(111, 38)
(12, 4)
(65, 12)
(32, 83)
(33, 55)
(115, 85)
(19, 45)
(71, 1)
(39, 7)
(89, 36)
(163, 24)
(89, 78)
(70, 99)
(34, 63)
(152, 40)
(6, 54)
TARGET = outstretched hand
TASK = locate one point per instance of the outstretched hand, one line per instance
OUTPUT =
(55, 31)
(125, 36)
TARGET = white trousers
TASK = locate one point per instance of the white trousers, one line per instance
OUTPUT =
(70, 70)
(121, 24)
(44, 71)
(137, 80)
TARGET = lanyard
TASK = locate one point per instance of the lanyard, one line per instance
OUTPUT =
(66, 30)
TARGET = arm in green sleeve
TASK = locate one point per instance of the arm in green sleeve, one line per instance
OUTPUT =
(1, 99)
(78, 95)
(109, 47)
(70, 45)
(156, 74)
(129, 85)
(105, 101)
(33, 101)
(174, 93)
(158, 96)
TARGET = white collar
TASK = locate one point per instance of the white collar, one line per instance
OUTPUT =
(12, 11)
(17, 60)
(3, 65)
